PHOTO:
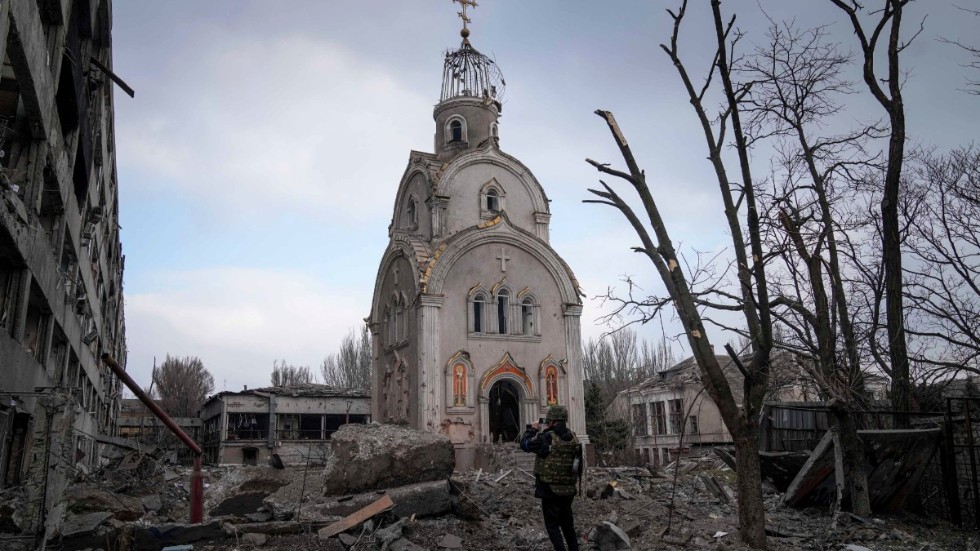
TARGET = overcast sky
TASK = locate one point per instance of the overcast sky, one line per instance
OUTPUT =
(259, 160)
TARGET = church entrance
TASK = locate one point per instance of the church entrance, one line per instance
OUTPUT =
(505, 412)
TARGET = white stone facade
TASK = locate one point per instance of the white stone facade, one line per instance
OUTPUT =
(476, 319)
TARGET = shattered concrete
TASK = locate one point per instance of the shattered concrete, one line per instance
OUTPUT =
(376, 456)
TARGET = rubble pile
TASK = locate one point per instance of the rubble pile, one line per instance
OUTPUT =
(690, 504)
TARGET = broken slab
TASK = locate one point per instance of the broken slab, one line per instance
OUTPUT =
(896, 460)
(369, 457)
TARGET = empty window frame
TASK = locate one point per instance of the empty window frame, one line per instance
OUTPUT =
(503, 304)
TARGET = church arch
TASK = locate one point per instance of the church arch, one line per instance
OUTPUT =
(457, 248)
(449, 183)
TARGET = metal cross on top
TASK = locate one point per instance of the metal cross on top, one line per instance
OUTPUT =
(462, 14)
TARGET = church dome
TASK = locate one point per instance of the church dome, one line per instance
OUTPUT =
(468, 73)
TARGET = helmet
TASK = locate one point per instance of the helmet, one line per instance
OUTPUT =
(557, 413)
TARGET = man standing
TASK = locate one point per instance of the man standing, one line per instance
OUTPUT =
(557, 468)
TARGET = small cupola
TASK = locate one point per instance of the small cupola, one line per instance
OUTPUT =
(470, 102)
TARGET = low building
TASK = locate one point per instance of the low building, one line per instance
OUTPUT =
(294, 422)
(138, 423)
(672, 414)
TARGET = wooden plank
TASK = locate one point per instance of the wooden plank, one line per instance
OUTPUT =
(382, 504)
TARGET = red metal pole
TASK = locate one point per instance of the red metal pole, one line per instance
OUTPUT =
(197, 485)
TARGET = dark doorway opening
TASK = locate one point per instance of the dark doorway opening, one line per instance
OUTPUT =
(505, 411)
(250, 456)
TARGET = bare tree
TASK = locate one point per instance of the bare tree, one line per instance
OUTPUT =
(182, 385)
(752, 297)
(887, 91)
(943, 273)
(350, 367)
(973, 52)
(796, 81)
(284, 374)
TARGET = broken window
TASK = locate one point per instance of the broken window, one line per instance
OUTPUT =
(493, 200)
(36, 328)
(641, 427)
(659, 418)
(503, 303)
(676, 416)
(311, 427)
(478, 306)
(248, 426)
(527, 316)
(9, 283)
(693, 424)
(14, 131)
(333, 422)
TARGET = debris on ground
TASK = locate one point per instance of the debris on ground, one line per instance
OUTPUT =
(690, 503)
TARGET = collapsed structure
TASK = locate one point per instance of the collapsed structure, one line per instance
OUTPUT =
(61, 261)
(475, 318)
(293, 422)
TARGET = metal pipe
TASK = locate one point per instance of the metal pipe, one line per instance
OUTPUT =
(197, 485)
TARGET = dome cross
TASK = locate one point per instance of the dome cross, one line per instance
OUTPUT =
(462, 15)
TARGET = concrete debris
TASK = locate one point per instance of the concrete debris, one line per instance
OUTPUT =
(367, 457)
(255, 539)
(405, 545)
(451, 541)
(76, 525)
(152, 502)
(348, 540)
(610, 537)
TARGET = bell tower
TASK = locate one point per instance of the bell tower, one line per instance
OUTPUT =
(469, 106)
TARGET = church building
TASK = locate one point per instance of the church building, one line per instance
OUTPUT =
(475, 318)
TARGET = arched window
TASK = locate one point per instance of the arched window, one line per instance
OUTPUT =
(527, 316)
(456, 131)
(503, 302)
(479, 302)
(493, 130)
(493, 200)
(413, 216)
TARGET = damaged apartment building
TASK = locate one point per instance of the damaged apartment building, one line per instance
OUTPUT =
(61, 263)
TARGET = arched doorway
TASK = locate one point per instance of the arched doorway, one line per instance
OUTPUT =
(505, 411)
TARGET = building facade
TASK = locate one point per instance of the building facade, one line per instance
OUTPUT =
(293, 422)
(475, 317)
(672, 414)
(61, 262)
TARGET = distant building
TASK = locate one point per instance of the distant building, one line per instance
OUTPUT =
(61, 262)
(674, 403)
(138, 423)
(295, 422)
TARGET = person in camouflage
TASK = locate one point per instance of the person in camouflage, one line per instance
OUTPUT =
(557, 469)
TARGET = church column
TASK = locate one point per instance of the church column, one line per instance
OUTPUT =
(576, 385)
(377, 409)
(541, 221)
(430, 380)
